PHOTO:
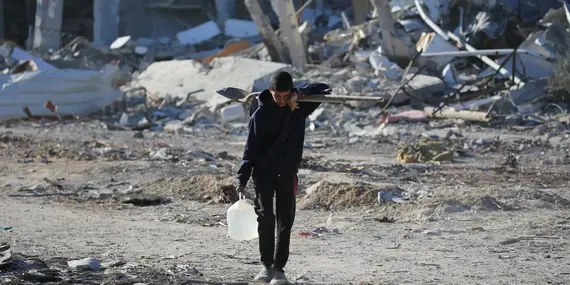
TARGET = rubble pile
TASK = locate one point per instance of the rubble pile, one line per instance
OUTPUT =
(443, 73)
(455, 60)
(463, 74)
(22, 269)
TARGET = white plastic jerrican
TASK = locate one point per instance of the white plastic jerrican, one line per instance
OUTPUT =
(242, 221)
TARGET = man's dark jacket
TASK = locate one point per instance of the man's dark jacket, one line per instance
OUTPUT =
(276, 135)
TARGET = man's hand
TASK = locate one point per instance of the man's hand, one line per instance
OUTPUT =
(240, 191)
(292, 102)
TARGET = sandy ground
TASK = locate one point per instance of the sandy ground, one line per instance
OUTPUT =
(472, 221)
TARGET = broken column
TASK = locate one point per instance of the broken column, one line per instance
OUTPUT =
(386, 22)
(222, 13)
(360, 10)
(105, 21)
(47, 31)
(1, 19)
(274, 46)
(290, 32)
(225, 9)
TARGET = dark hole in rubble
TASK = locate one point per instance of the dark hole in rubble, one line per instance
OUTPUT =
(144, 200)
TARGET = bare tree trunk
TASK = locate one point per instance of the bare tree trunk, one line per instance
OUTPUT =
(290, 32)
(275, 47)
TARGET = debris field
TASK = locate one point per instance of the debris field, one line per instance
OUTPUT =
(120, 170)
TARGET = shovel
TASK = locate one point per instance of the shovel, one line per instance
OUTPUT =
(243, 96)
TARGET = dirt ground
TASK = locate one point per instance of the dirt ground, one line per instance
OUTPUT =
(150, 208)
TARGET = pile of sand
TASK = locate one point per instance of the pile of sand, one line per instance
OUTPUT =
(205, 187)
(330, 195)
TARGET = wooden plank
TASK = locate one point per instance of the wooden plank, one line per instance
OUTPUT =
(231, 49)
(290, 32)
(274, 46)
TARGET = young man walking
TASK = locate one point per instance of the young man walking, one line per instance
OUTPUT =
(272, 156)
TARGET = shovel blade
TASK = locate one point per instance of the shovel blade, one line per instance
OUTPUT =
(233, 93)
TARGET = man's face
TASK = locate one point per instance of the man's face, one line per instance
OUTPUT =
(280, 97)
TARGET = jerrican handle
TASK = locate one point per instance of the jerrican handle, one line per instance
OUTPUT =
(241, 196)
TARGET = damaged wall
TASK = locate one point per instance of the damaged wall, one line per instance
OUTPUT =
(135, 15)
(77, 20)
(142, 18)
(106, 21)
(18, 15)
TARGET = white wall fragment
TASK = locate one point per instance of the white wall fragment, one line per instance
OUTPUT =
(240, 28)
(199, 33)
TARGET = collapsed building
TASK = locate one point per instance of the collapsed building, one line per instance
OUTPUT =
(463, 59)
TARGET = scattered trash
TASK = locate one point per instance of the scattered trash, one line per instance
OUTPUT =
(424, 151)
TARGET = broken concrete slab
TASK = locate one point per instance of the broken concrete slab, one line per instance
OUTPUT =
(199, 33)
(89, 263)
(180, 77)
(120, 42)
(548, 43)
(432, 42)
(129, 120)
(426, 86)
(5, 255)
(240, 28)
(531, 91)
(233, 112)
(57, 92)
(22, 55)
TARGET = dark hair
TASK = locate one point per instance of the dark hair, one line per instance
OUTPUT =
(281, 81)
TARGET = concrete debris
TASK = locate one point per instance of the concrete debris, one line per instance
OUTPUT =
(5, 255)
(240, 29)
(461, 64)
(174, 127)
(177, 78)
(86, 264)
(23, 269)
(162, 138)
(51, 93)
(120, 42)
(198, 34)
(233, 112)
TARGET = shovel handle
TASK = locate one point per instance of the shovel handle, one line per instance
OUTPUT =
(337, 98)
(324, 98)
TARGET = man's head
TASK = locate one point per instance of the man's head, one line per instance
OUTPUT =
(280, 87)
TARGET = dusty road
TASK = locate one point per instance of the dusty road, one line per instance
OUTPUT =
(472, 221)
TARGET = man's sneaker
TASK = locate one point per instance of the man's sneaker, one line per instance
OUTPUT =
(279, 278)
(265, 275)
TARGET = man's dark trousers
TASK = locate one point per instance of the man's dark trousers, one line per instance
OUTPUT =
(285, 188)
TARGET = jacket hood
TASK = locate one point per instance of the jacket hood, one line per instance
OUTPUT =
(265, 98)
